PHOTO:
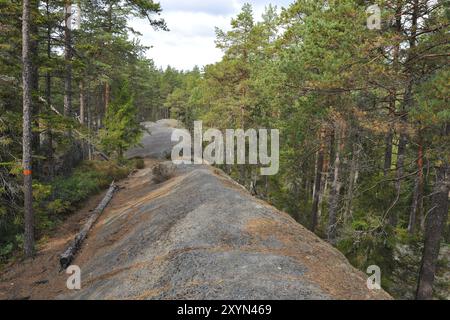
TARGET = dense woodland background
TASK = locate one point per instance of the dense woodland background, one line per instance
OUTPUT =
(364, 118)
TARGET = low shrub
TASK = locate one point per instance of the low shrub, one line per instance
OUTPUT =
(163, 172)
(138, 163)
(55, 200)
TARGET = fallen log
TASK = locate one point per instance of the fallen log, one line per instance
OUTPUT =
(68, 256)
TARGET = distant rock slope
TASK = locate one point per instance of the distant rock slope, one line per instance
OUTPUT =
(156, 142)
(202, 236)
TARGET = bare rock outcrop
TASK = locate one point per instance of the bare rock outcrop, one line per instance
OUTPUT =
(200, 235)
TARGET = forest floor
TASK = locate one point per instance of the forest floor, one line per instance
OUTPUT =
(42, 278)
(198, 235)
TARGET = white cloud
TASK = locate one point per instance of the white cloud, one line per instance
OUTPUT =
(214, 7)
(192, 23)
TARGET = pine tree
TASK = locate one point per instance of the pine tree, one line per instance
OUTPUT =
(122, 130)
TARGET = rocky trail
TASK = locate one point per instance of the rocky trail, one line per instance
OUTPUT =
(198, 235)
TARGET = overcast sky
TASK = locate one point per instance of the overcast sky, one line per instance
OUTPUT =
(191, 38)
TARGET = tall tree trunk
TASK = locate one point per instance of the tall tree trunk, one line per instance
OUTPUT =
(407, 104)
(393, 217)
(107, 96)
(353, 177)
(334, 201)
(393, 94)
(84, 145)
(308, 190)
(318, 182)
(68, 158)
(401, 153)
(89, 125)
(82, 103)
(416, 208)
(48, 75)
(435, 224)
(324, 189)
(46, 138)
(27, 135)
(388, 152)
(68, 62)
(389, 140)
(336, 189)
(34, 52)
(398, 28)
(107, 86)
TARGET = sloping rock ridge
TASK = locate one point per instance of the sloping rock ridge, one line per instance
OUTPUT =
(200, 235)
